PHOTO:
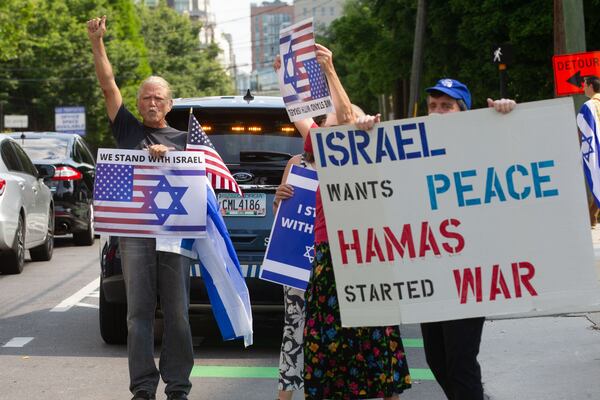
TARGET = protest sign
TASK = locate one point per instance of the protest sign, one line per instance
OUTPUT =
(458, 215)
(138, 195)
(301, 81)
(289, 256)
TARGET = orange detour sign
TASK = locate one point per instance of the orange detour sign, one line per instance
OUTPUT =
(570, 69)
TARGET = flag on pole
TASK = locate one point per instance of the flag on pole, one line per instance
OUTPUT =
(588, 122)
(217, 172)
(223, 277)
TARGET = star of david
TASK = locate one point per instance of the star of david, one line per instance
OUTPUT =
(588, 140)
(309, 253)
(292, 78)
(176, 193)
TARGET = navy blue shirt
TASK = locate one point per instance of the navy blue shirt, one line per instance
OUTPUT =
(133, 135)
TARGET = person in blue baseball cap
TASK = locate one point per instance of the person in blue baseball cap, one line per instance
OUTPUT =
(450, 95)
(451, 347)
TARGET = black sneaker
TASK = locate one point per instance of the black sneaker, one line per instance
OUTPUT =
(143, 395)
(177, 396)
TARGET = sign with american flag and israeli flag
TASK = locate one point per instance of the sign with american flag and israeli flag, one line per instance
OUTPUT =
(138, 195)
(301, 81)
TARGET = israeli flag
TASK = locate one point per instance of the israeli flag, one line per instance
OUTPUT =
(223, 278)
(589, 126)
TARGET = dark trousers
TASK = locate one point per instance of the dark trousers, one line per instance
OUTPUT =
(148, 274)
(451, 349)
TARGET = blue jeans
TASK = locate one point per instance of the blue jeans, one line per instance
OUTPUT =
(148, 275)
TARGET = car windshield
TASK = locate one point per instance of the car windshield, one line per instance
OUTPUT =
(246, 135)
(45, 148)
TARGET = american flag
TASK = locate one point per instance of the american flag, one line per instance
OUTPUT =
(216, 170)
(302, 76)
(145, 200)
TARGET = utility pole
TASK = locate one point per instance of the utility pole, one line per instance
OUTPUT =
(417, 59)
(569, 32)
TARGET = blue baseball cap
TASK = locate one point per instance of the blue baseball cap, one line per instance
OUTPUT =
(454, 89)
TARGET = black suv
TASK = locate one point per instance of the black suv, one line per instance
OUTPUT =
(255, 139)
(73, 181)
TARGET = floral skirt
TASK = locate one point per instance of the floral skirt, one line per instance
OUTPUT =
(347, 363)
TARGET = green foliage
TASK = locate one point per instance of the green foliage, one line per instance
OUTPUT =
(372, 45)
(46, 59)
(172, 42)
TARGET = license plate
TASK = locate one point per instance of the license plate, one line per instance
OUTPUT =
(251, 205)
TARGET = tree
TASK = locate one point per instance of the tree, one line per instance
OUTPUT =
(176, 55)
(372, 45)
(46, 60)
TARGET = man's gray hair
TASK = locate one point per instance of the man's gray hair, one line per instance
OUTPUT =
(157, 80)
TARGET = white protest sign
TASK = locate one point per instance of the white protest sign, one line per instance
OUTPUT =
(138, 195)
(301, 81)
(459, 215)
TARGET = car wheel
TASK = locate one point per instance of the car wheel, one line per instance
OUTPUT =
(113, 320)
(86, 237)
(14, 260)
(44, 251)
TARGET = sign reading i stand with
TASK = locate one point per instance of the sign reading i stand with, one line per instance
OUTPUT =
(570, 69)
(70, 119)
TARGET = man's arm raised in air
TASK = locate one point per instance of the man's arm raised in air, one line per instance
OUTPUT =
(112, 95)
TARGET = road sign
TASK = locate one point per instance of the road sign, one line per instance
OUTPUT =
(570, 69)
(70, 119)
(16, 121)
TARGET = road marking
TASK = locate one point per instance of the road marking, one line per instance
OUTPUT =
(412, 342)
(18, 342)
(220, 371)
(88, 305)
(66, 304)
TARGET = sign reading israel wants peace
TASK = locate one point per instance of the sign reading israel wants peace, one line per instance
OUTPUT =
(460, 215)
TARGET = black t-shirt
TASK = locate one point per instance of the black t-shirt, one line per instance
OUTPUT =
(133, 135)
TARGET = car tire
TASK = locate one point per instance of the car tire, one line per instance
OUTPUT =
(86, 237)
(14, 260)
(113, 320)
(44, 251)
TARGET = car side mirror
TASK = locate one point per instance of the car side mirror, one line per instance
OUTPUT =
(45, 171)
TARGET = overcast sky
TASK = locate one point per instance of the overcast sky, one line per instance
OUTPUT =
(233, 16)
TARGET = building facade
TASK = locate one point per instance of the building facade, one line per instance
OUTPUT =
(266, 20)
(323, 12)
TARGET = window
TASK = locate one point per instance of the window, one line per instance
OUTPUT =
(9, 157)
(26, 164)
(46, 148)
(305, 11)
(87, 156)
(331, 11)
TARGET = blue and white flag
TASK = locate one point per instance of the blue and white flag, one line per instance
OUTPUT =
(289, 256)
(588, 122)
(301, 81)
(223, 277)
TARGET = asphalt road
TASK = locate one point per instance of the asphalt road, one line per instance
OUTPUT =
(50, 345)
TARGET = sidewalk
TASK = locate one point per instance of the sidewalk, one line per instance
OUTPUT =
(546, 358)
